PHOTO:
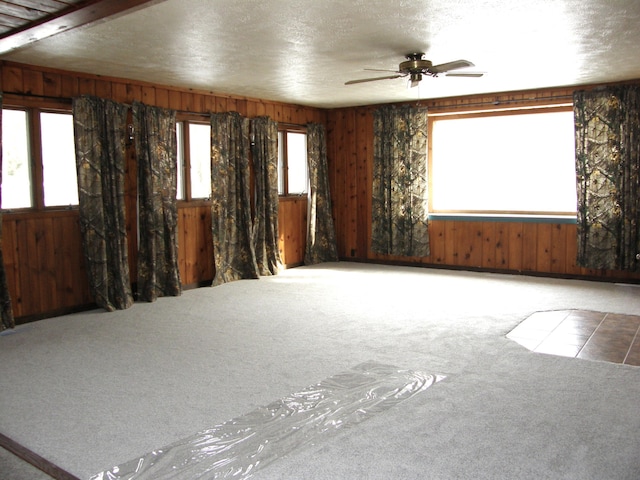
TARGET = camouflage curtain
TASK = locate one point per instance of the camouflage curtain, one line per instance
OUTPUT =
(321, 236)
(156, 150)
(6, 312)
(607, 123)
(264, 149)
(100, 130)
(231, 225)
(399, 203)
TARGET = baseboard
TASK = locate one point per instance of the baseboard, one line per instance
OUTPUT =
(34, 459)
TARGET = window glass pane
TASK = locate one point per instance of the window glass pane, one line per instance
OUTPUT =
(522, 163)
(16, 172)
(200, 158)
(297, 162)
(59, 176)
(180, 160)
(281, 163)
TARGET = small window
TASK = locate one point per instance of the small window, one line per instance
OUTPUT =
(511, 163)
(293, 176)
(200, 160)
(59, 175)
(16, 169)
(180, 161)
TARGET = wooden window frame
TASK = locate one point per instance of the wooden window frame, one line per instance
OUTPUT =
(284, 129)
(185, 120)
(490, 112)
(34, 144)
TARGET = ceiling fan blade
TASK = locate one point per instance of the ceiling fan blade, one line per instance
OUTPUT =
(445, 67)
(470, 74)
(381, 70)
(363, 80)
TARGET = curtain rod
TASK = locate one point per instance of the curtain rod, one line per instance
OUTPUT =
(69, 100)
(443, 107)
(500, 102)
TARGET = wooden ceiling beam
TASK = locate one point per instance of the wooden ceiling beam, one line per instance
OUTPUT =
(84, 13)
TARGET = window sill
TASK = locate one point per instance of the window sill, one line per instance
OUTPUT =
(506, 217)
(294, 196)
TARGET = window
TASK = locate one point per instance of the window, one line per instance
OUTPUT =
(293, 177)
(16, 169)
(194, 160)
(39, 161)
(514, 163)
(59, 175)
(180, 161)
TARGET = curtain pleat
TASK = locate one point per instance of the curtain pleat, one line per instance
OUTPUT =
(231, 224)
(399, 200)
(321, 237)
(264, 148)
(156, 150)
(6, 311)
(607, 130)
(100, 129)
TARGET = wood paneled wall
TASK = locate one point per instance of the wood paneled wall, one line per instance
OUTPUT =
(42, 249)
(518, 246)
(43, 253)
(292, 228)
(44, 263)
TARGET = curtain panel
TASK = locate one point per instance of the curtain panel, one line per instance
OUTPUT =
(231, 224)
(607, 132)
(321, 238)
(6, 311)
(399, 200)
(100, 132)
(156, 151)
(264, 149)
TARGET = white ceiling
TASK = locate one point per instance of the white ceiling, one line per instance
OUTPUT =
(302, 51)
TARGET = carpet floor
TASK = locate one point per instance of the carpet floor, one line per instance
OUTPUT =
(92, 390)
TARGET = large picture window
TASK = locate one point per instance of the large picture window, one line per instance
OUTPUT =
(514, 163)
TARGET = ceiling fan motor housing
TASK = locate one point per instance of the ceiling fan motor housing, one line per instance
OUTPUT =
(415, 64)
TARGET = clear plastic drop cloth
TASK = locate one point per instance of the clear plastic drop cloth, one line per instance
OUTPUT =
(239, 447)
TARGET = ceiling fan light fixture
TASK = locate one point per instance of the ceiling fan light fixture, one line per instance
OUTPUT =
(415, 79)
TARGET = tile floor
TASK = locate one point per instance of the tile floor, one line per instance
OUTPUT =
(582, 334)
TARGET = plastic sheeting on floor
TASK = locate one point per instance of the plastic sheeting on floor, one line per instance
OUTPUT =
(239, 447)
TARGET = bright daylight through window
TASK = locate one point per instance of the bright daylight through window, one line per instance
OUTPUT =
(293, 177)
(200, 160)
(16, 171)
(504, 163)
(59, 176)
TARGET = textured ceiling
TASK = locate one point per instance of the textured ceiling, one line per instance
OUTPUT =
(302, 51)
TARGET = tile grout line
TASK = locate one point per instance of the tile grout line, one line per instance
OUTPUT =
(591, 336)
(542, 340)
(631, 345)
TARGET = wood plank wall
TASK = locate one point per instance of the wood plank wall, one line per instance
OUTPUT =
(522, 247)
(42, 249)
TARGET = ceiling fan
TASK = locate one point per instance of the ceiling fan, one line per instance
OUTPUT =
(415, 66)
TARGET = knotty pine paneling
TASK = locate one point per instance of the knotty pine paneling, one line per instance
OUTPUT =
(44, 262)
(536, 248)
(42, 249)
(195, 244)
(292, 229)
